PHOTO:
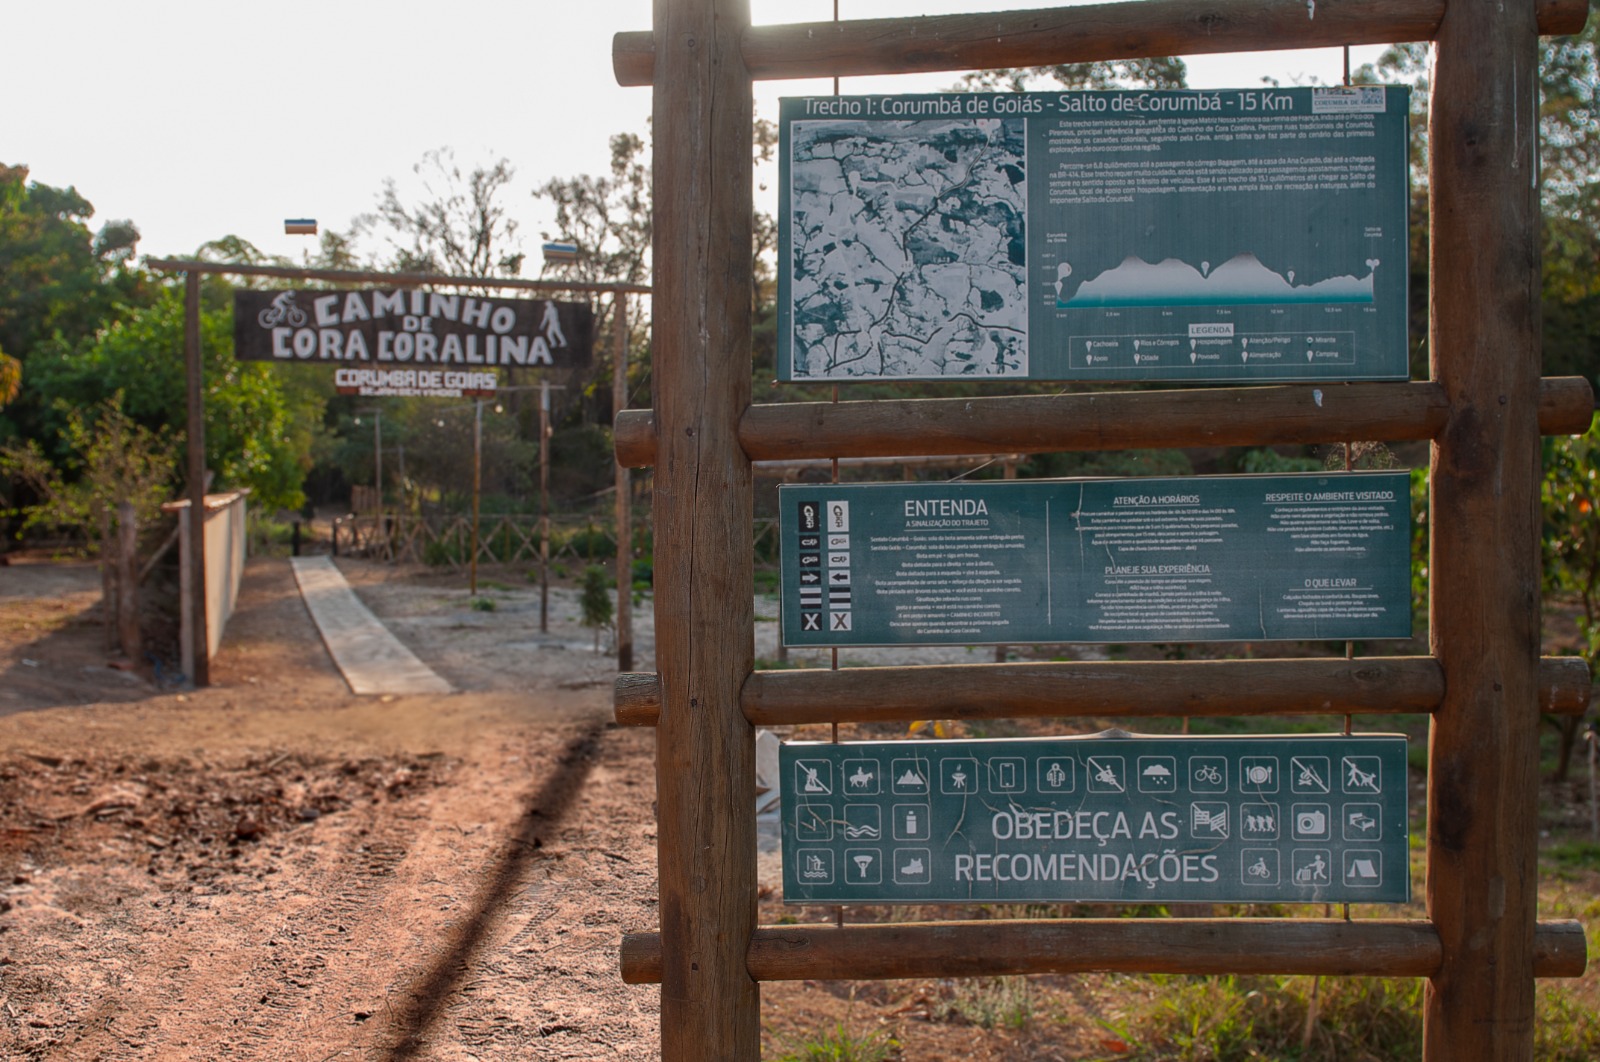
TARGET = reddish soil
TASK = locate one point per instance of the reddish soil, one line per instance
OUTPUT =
(272, 868)
(275, 869)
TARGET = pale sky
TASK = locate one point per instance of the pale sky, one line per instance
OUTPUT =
(201, 118)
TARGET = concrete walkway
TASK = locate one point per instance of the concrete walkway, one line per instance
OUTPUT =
(372, 659)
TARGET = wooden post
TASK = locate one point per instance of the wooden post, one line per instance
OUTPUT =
(377, 455)
(544, 506)
(705, 765)
(477, 486)
(619, 402)
(199, 639)
(128, 581)
(108, 582)
(1484, 514)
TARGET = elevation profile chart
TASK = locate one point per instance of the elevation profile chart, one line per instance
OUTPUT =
(1255, 234)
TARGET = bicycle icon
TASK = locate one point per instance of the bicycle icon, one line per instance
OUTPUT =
(1209, 774)
(1259, 869)
(283, 310)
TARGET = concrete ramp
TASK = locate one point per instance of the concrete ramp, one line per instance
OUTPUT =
(371, 658)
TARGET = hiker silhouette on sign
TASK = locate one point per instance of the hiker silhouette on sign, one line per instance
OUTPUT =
(551, 325)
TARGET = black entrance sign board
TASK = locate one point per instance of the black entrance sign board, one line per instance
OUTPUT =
(403, 329)
(1202, 558)
(1114, 819)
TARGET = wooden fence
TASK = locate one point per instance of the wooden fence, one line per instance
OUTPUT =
(504, 538)
(509, 538)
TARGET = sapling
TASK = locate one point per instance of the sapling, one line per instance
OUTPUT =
(596, 601)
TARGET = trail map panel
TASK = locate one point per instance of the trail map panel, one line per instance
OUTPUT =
(1123, 820)
(1255, 234)
(1201, 558)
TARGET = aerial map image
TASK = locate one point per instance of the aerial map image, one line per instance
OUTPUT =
(907, 244)
(1191, 236)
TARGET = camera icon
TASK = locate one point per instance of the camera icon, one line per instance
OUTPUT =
(1311, 822)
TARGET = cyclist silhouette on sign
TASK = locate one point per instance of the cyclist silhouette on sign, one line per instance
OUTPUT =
(282, 310)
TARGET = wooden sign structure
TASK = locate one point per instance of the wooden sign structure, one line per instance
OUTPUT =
(1484, 408)
(401, 328)
(193, 270)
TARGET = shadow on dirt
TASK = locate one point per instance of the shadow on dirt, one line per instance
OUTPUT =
(543, 810)
(67, 665)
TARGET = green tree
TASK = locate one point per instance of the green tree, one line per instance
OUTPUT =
(459, 227)
(110, 459)
(596, 601)
(1159, 73)
(427, 452)
(10, 379)
(1569, 161)
(260, 419)
(608, 217)
(1570, 501)
(1569, 127)
(60, 283)
(56, 276)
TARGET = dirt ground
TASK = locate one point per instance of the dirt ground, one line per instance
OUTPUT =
(275, 869)
(272, 868)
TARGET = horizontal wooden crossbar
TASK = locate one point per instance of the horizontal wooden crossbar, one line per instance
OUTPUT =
(1376, 948)
(1072, 35)
(1128, 420)
(823, 464)
(403, 280)
(1368, 685)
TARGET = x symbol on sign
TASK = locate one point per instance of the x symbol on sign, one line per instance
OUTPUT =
(841, 621)
(810, 621)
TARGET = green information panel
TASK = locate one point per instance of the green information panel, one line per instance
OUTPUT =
(1118, 819)
(1257, 234)
(1201, 558)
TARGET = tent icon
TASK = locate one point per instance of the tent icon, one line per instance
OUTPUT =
(1362, 869)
